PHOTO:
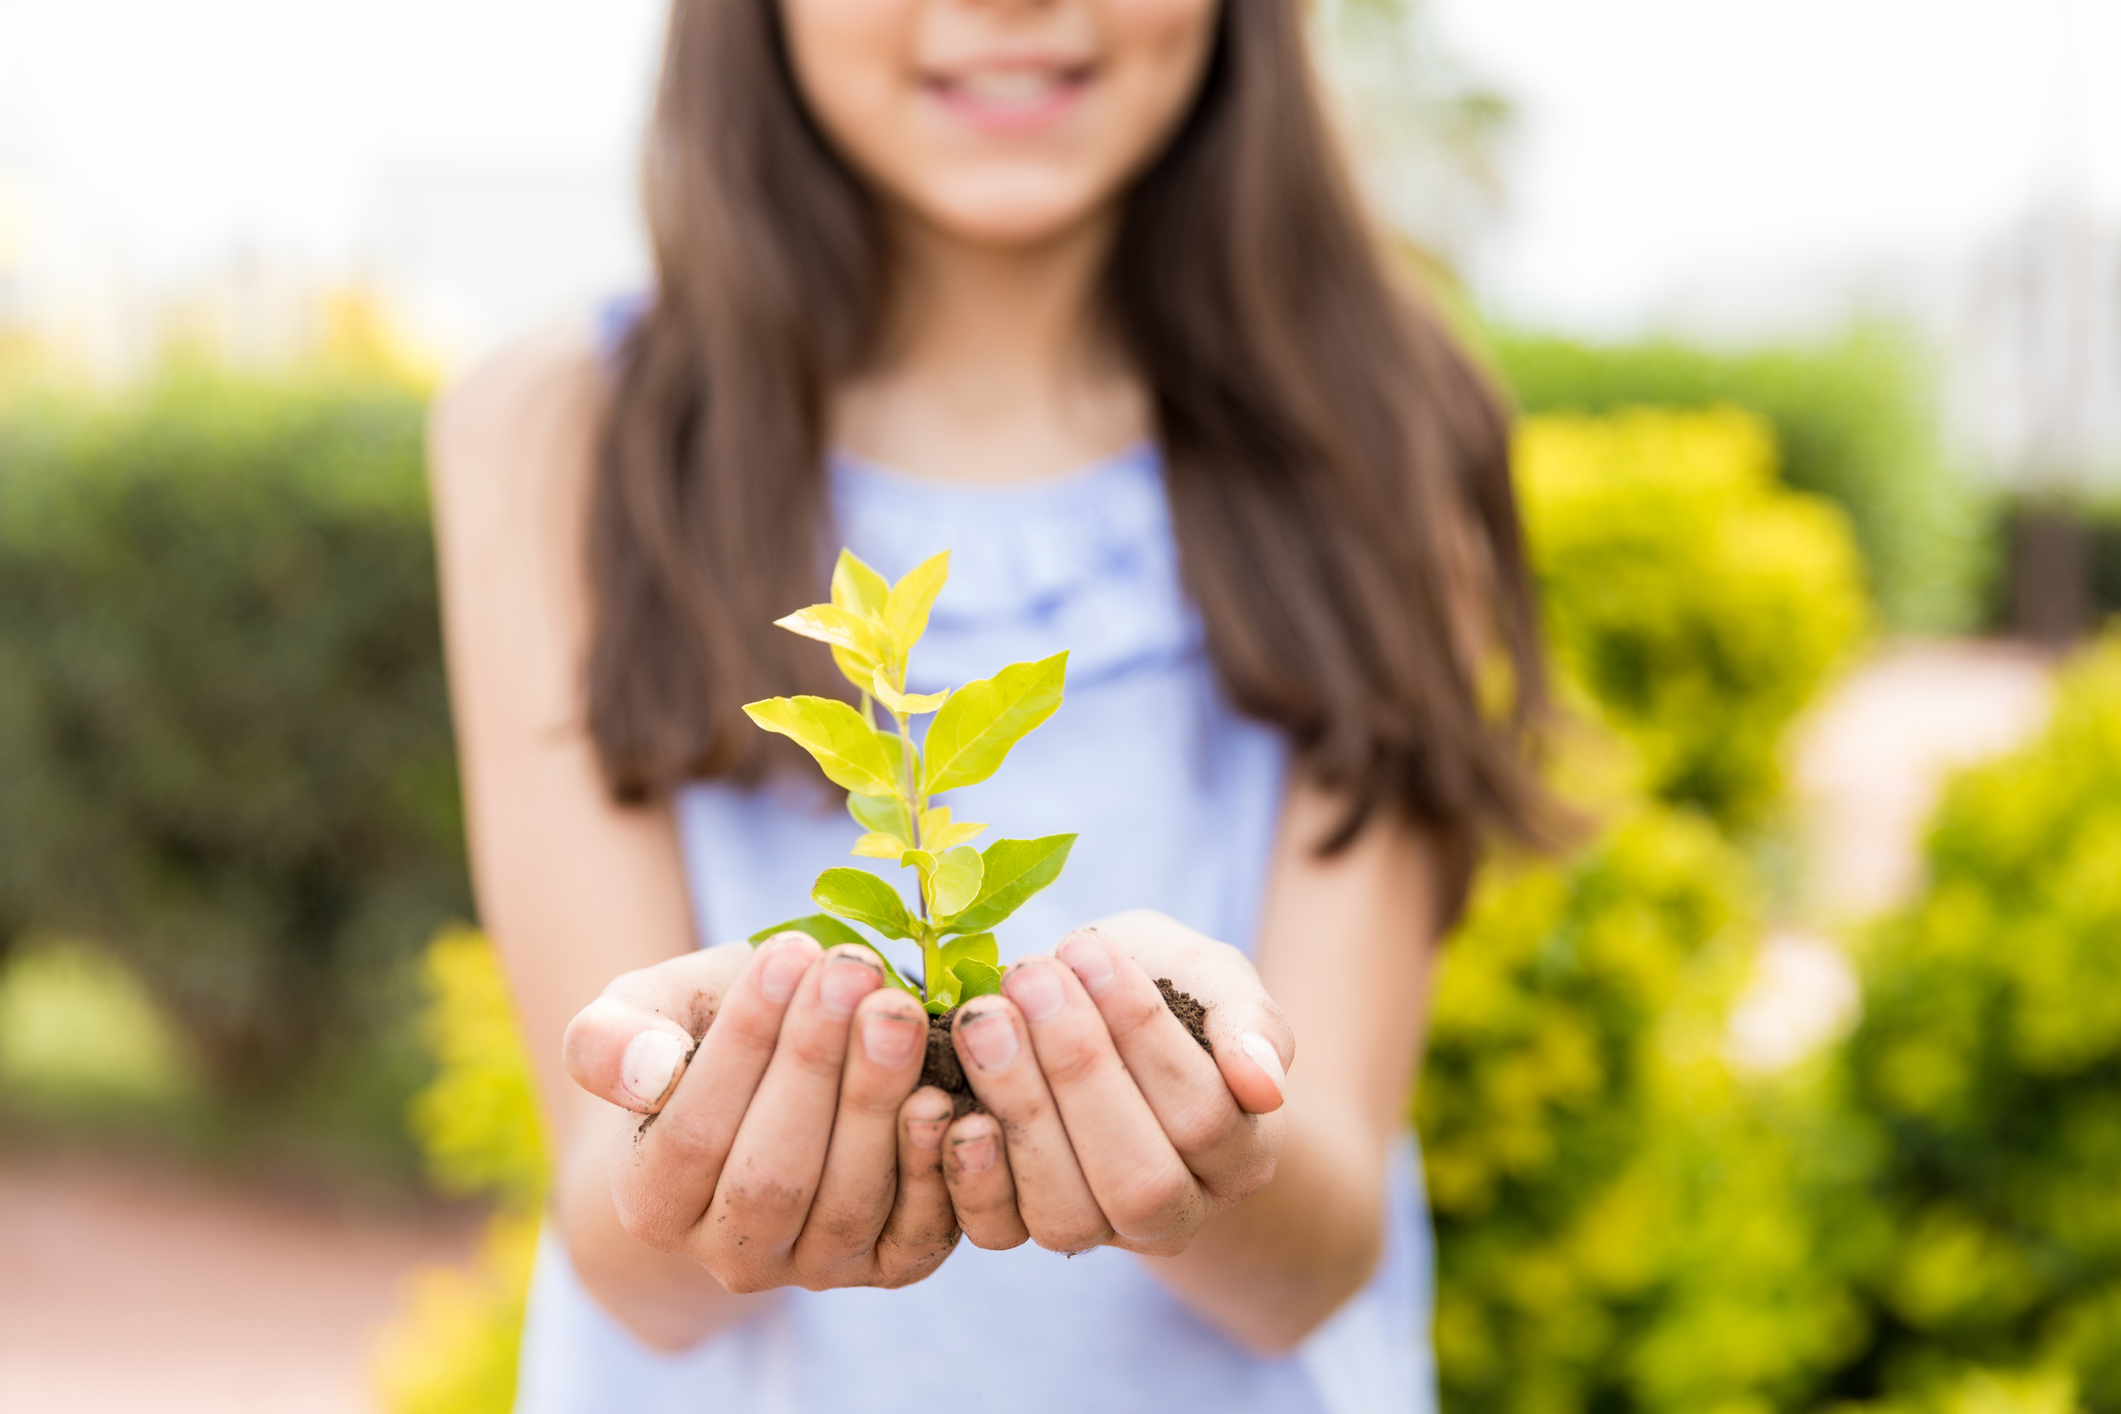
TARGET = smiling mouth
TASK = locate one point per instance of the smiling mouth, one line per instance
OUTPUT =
(1012, 97)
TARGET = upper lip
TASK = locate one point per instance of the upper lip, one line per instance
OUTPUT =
(1052, 67)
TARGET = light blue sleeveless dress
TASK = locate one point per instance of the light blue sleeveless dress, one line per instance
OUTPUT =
(1175, 798)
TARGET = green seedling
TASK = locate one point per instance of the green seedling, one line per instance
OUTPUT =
(892, 784)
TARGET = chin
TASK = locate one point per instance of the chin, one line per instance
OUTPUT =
(1013, 208)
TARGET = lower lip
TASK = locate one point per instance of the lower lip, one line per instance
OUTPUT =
(1013, 116)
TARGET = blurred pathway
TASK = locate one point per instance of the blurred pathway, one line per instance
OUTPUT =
(1866, 768)
(1868, 764)
(138, 1288)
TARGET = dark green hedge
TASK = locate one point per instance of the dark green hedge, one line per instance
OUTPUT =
(224, 736)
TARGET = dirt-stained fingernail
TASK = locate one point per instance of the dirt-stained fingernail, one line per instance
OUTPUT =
(846, 981)
(975, 1155)
(784, 967)
(1086, 956)
(990, 1038)
(1266, 1058)
(1035, 989)
(928, 1133)
(889, 1040)
(649, 1065)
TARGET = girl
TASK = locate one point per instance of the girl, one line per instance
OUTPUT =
(1077, 290)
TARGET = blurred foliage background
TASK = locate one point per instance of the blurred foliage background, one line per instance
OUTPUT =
(229, 850)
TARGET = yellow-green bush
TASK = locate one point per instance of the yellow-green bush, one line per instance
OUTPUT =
(1620, 1218)
(453, 1349)
(1698, 602)
(1988, 1061)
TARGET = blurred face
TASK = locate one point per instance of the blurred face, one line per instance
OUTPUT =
(999, 122)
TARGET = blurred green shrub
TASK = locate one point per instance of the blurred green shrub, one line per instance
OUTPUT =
(1699, 603)
(224, 738)
(1854, 421)
(1989, 1061)
(453, 1349)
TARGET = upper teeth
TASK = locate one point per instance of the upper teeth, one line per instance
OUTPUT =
(1009, 85)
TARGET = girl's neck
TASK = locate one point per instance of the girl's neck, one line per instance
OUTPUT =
(996, 365)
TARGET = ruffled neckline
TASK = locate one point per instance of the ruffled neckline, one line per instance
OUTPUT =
(1083, 561)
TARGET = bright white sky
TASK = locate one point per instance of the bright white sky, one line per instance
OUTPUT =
(1667, 146)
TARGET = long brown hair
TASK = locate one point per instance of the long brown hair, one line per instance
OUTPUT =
(1338, 471)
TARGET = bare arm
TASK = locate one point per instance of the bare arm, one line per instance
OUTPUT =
(1347, 949)
(573, 889)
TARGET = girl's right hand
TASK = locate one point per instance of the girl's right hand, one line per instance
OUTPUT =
(790, 1148)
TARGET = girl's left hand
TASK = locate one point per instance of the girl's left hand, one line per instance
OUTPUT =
(1108, 1123)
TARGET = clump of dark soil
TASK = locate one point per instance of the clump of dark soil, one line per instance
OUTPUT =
(1191, 1014)
(943, 1070)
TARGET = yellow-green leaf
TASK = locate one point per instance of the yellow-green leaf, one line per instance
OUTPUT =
(906, 704)
(980, 947)
(845, 747)
(976, 979)
(973, 732)
(857, 587)
(878, 845)
(906, 610)
(956, 881)
(861, 896)
(880, 813)
(1011, 872)
(842, 628)
(942, 990)
(939, 831)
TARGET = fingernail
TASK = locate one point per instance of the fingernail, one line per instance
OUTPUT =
(927, 1133)
(650, 1061)
(990, 1038)
(1035, 990)
(1087, 956)
(1266, 1057)
(847, 980)
(889, 1040)
(974, 1155)
(784, 967)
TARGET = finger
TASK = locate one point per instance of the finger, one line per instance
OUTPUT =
(1141, 1184)
(1051, 1192)
(631, 1044)
(1237, 1004)
(976, 1166)
(922, 1229)
(856, 1189)
(778, 1157)
(1184, 1087)
(664, 1177)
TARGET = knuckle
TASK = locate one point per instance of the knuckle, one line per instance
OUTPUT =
(1151, 1202)
(1200, 1128)
(1073, 1230)
(1073, 1060)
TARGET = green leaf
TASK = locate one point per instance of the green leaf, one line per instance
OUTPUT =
(1011, 872)
(845, 746)
(860, 895)
(878, 844)
(980, 947)
(856, 586)
(975, 729)
(881, 813)
(832, 933)
(906, 610)
(939, 831)
(957, 880)
(976, 979)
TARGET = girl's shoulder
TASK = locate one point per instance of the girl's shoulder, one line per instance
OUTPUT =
(521, 419)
